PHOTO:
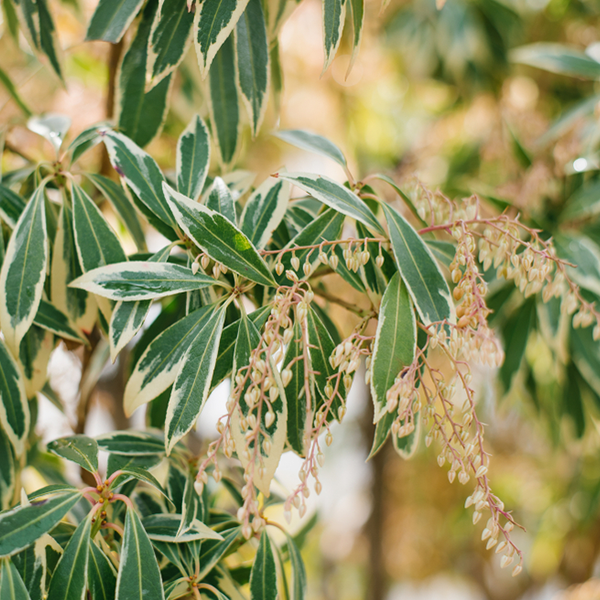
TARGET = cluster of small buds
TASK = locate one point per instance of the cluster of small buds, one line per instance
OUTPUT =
(356, 258)
(345, 359)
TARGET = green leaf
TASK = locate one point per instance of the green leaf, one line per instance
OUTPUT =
(220, 200)
(583, 252)
(252, 50)
(219, 238)
(572, 399)
(115, 194)
(407, 445)
(141, 173)
(79, 449)
(165, 527)
(223, 99)
(54, 320)
(191, 506)
(298, 570)
(586, 356)
(264, 210)
(395, 343)
(141, 280)
(14, 409)
(8, 471)
(86, 140)
(111, 19)
(69, 581)
(11, 206)
(25, 524)
(313, 142)
(407, 201)
(141, 114)
(192, 385)
(9, 86)
(516, 333)
(48, 42)
(132, 443)
(34, 353)
(158, 366)
(139, 575)
(357, 11)
(213, 551)
(193, 158)
(11, 584)
(557, 58)
(24, 271)
(102, 577)
(97, 243)
(49, 490)
(142, 474)
(77, 304)
(326, 227)
(170, 38)
(334, 13)
(298, 404)
(585, 203)
(214, 21)
(335, 196)
(263, 578)
(419, 270)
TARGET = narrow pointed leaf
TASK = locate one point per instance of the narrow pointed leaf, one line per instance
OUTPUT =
(170, 38)
(557, 58)
(313, 142)
(298, 571)
(111, 19)
(11, 584)
(142, 474)
(299, 403)
(24, 271)
(395, 342)
(77, 448)
(334, 12)
(23, 525)
(69, 580)
(158, 367)
(34, 353)
(516, 334)
(335, 196)
(252, 53)
(165, 527)
(77, 304)
(48, 38)
(193, 158)
(220, 200)
(14, 409)
(140, 172)
(212, 551)
(419, 270)
(85, 141)
(407, 445)
(102, 577)
(357, 11)
(219, 238)
(52, 319)
(223, 101)
(139, 576)
(10, 87)
(141, 280)
(213, 23)
(140, 114)
(8, 471)
(322, 347)
(115, 194)
(264, 210)
(190, 506)
(192, 385)
(132, 443)
(263, 578)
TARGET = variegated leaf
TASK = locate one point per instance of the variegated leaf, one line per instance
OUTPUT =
(34, 354)
(165, 527)
(313, 142)
(24, 271)
(223, 102)
(111, 19)
(11, 583)
(407, 445)
(264, 210)
(132, 443)
(8, 470)
(11, 206)
(336, 196)
(77, 304)
(214, 21)
(357, 11)
(334, 13)
(252, 53)
(395, 342)
(193, 158)
(219, 238)
(263, 578)
(192, 385)
(141, 280)
(139, 575)
(50, 318)
(220, 200)
(419, 270)
(141, 114)
(170, 38)
(79, 449)
(102, 576)
(157, 368)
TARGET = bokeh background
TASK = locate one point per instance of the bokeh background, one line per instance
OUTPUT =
(432, 98)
